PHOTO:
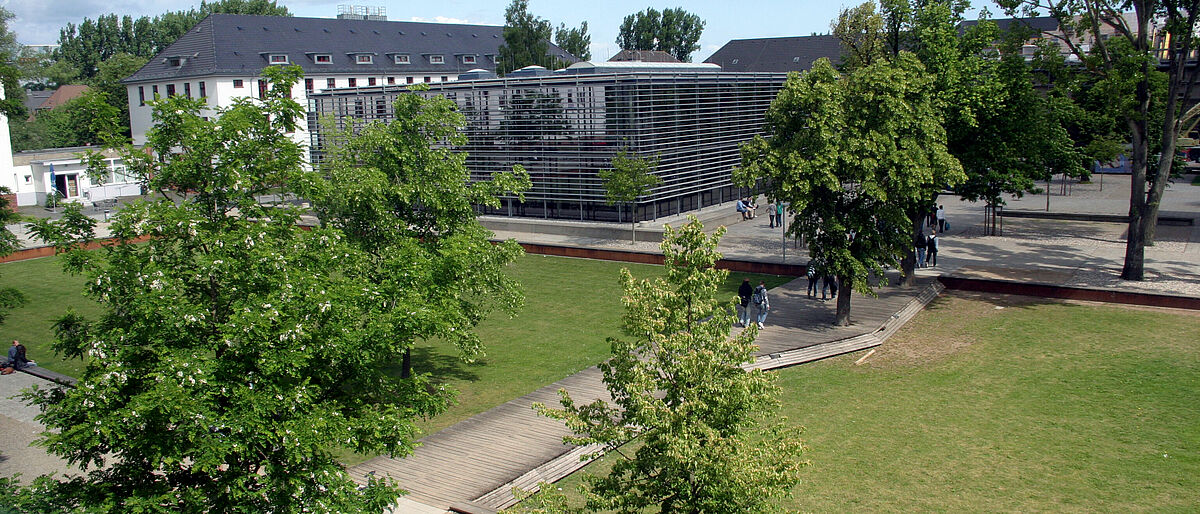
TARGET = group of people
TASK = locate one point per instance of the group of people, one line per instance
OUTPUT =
(927, 246)
(746, 206)
(16, 358)
(755, 297)
(828, 282)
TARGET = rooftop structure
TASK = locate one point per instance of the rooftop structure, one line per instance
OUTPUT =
(222, 58)
(565, 126)
(776, 54)
(643, 56)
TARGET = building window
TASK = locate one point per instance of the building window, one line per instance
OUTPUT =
(308, 85)
(364, 59)
(278, 58)
(371, 81)
(154, 91)
(437, 59)
(401, 59)
(262, 89)
(203, 93)
(323, 59)
(444, 78)
(427, 79)
(237, 82)
(187, 89)
(142, 95)
(352, 82)
(391, 80)
(468, 59)
(330, 83)
(170, 90)
(408, 80)
(175, 62)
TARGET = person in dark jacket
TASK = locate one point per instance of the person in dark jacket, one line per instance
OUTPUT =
(744, 294)
(921, 244)
(829, 283)
(16, 356)
(813, 278)
(931, 249)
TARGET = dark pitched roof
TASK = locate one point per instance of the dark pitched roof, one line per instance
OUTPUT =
(1040, 24)
(776, 54)
(643, 56)
(35, 99)
(234, 44)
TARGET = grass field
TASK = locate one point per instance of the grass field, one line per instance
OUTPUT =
(984, 404)
(571, 306)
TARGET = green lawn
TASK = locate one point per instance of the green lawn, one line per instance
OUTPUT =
(1033, 407)
(571, 306)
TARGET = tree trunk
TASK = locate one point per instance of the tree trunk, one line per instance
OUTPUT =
(406, 364)
(843, 302)
(1135, 243)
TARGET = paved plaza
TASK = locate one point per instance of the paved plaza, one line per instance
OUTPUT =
(479, 458)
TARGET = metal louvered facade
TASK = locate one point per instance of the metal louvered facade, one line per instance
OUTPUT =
(565, 128)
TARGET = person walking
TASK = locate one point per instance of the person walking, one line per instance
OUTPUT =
(829, 283)
(931, 248)
(741, 207)
(771, 213)
(812, 279)
(921, 244)
(779, 214)
(941, 218)
(744, 294)
(761, 303)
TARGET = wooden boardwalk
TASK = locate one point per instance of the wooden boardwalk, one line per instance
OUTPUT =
(476, 463)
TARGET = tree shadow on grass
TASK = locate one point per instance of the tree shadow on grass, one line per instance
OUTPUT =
(442, 366)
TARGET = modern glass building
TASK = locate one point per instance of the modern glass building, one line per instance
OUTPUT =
(565, 126)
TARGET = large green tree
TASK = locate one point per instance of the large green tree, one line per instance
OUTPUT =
(1125, 49)
(236, 349)
(404, 197)
(576, 41)
(9, 297)
(11, 104)
(709, 436)
(526, 39)
(90, 119)
(851, 154)
(674, 31)
(627, 179)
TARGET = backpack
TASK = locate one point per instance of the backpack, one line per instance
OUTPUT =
(760, 296)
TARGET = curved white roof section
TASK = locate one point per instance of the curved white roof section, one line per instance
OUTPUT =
(619, 66)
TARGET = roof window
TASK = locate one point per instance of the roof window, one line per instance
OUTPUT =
(733, 61)
(277, 58)
(364, 59)
(323, 59)
(795, 59)
(401, 59)
(468, 59)
(437, 59)
(174, 62)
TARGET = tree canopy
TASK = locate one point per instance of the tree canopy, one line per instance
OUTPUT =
(709, 432)
(627, 179)
(526, 39)
(674, 31)
(236, 350)
(576, 41)
(851, 153)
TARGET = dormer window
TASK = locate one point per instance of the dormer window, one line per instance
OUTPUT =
(323, 59)
(437, 59)
(277, 58)
(401, 59)
(734, 61)
(468, 59)
(174, 62)
(364, 59)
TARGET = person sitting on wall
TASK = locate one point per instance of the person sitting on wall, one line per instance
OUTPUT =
(16, 356)
(741, 207)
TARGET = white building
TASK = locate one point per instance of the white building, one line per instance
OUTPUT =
(221, 58)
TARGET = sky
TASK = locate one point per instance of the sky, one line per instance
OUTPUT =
(38, 21)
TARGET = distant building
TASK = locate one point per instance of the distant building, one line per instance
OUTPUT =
(223, 56)
(565, 126)
(643, 56)
(776, 54)
(50, 100)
